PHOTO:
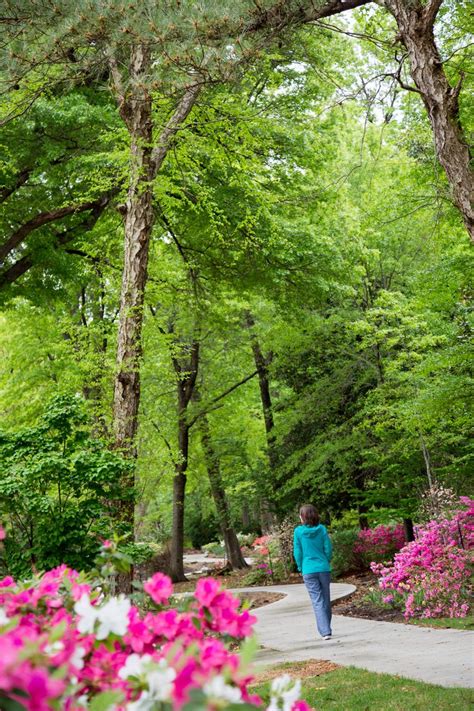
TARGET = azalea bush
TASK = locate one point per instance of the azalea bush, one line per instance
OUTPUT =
(267, 566)
(431, 576)
(67, 643)
(375, 545)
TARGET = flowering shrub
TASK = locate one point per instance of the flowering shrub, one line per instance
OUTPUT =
(378, 544)
(68, 645)
(437, 502)
(267, 563)
(430, 577)
(261, 545)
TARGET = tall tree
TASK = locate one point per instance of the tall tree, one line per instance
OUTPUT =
(415, 21)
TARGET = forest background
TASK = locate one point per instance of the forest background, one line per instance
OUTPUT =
(235, 269)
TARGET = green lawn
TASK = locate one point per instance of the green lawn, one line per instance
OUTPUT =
(456, 623)
(350, 689)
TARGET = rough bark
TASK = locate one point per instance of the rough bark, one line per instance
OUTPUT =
(186, 370)
(136, 111)
(415, 22)
(232, 545)
(146, 160)
(261, 365)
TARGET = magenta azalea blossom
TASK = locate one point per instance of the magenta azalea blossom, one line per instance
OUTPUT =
(159, 588)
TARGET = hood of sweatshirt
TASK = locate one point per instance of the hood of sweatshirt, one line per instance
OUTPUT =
(311, 531)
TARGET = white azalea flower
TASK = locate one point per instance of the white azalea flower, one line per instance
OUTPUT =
(218, 690)
(134, 666)
(113, 617)
(160, 681)
(54, 648)
(143, 703)
(77, 657)
(283, 695)
(87, 614)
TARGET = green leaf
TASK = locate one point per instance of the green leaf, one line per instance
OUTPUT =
(106, 701)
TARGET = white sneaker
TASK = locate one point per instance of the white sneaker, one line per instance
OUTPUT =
(328, 636)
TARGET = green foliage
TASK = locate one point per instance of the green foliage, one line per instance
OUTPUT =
(343, 559)
(214, 548)
(59, 490)
(202, 525)
(303, 188)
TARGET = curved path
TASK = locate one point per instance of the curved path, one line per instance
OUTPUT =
(287, 632)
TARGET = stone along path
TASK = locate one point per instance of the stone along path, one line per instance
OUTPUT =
(287, 631)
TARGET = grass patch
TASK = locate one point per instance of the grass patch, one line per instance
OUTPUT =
(351, 689)
(455, 623)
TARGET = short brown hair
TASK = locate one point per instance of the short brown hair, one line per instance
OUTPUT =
(309, 514)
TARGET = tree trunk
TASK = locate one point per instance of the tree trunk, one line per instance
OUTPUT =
(261, 365)
(179, 491)
(186, 371)
(232, 545)
(409, 529)
(136, 110)
(415, 22)
(137, 114)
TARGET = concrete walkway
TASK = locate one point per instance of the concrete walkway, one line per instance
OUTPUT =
(286, 629)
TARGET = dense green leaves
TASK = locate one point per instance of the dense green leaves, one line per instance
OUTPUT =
(59, 490)
(303, 189)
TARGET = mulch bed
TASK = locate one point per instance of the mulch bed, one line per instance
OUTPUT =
(300, 670)
(358, 606)
(258, 599)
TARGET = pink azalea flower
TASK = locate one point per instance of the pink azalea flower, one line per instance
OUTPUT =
(206, 591)
(159, 588)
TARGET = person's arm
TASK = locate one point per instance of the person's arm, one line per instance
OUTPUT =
(297, 551)
(327, 545)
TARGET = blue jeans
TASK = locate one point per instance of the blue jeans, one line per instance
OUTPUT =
(317, 585)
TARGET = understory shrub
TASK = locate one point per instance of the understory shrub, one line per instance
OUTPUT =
(68, 644)
(343, 556)
(375, 545)
(283, 534)
(59, 488)
(267, 567)
(214, 548)
(431, 576)
(151, 558)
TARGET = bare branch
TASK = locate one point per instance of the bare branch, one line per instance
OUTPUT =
(21, 266)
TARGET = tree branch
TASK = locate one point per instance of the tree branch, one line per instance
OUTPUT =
(182, 112)
(45, 218)
(431, 11)
(21, 180)
(220, 397)
(16, 270)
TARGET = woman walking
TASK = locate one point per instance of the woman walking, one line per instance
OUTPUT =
(312, 551)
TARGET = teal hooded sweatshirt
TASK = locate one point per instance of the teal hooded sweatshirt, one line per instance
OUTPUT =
(312, 549)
